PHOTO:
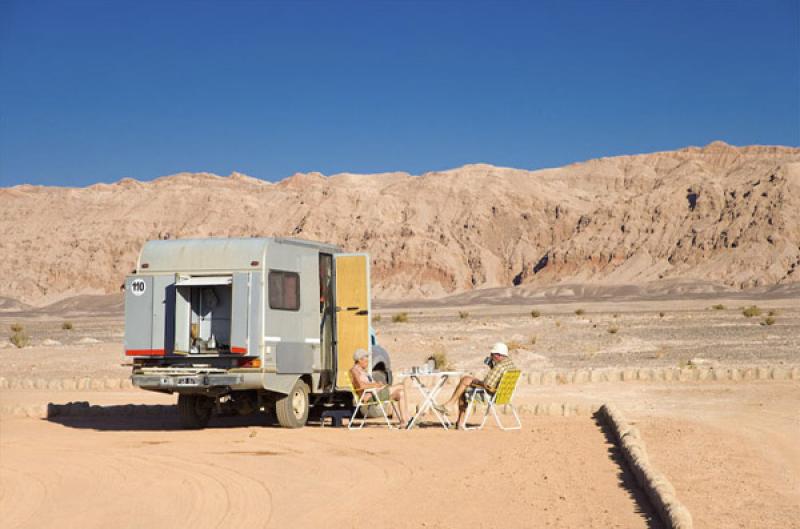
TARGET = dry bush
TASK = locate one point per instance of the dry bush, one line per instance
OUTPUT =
(751, 311)
(513, 345)
(20, 339)
(17, 327)
(718, 306)
(615, 315)
(580, 312)
(400, 317)
(660, 314)
(613, 330)
(772, 313)
(533, 340)
(769, 320)
(66, 326)
(463, 314)
(558, 323)
(535, 313)
(439, 357)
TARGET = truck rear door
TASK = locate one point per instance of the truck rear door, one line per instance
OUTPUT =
(352, 299)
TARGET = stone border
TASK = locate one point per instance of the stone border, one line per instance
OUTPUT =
(657, 487)
(549, 377)
(67, 383)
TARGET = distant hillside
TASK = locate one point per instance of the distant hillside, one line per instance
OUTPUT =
(719, 213)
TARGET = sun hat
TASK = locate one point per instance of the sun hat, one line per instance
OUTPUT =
(499, 349)
(359, 354)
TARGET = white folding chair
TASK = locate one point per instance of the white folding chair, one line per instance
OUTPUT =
(369, 398)
(502, 397)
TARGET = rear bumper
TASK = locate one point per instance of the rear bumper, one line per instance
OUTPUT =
(187, 382)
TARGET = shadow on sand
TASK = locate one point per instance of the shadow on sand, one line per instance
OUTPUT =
(157, 417)
(626, 478)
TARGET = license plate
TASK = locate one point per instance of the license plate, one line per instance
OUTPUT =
(187, 381)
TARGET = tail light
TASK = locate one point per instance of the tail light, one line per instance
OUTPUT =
(251, 362)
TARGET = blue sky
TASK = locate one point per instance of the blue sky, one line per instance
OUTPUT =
(98, 91)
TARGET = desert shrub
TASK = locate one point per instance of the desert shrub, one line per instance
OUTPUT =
(769, 320)
(67, 326)
(615, 315)
(772, 313)
(718, 306)
(514, 345)
(613, 330)
(533, 340)
(19, 338)
(580, 312)
(660, 314)
(463, 314)
(558, 323)
(535, 313)
(400, 317)
(440, 360)
(751, 311)
(17, 327)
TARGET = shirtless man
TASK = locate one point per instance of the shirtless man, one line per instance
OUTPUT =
(362, 380)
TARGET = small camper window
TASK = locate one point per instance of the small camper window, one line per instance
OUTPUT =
(284, 290)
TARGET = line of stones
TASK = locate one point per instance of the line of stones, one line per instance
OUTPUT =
(535, 378)
(662, 494)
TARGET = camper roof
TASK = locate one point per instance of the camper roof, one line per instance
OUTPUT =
(215, 254)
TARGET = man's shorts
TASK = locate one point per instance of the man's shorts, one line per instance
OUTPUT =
(384, 393)
(481, 395)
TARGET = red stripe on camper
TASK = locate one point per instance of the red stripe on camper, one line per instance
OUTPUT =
(239, 350)
(144, 352)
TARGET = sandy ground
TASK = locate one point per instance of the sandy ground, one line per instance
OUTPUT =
(730, 449)
(145, 472)
(713, 441)
(558, 338)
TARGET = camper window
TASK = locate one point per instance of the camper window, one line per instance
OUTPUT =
(284, 290)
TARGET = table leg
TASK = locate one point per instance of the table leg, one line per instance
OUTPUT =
(428, 402)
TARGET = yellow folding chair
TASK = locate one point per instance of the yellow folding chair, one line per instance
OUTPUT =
(502, 397)
(368, 398)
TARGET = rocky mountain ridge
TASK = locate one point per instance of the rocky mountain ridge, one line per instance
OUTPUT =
(717, 213)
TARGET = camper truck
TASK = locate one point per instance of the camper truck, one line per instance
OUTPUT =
(237, 325)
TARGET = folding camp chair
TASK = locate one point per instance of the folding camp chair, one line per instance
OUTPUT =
(501, 397)
(369, 398)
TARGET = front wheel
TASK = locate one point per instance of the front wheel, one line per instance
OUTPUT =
(194, 411)
(292, 409)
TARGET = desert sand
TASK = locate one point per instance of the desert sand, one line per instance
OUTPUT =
(713, 439)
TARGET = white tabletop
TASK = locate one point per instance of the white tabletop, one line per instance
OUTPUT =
(428, 374)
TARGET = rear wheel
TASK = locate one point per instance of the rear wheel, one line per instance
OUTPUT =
(292, 409)
(195, 410)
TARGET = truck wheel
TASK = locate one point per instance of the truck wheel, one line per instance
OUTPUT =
(194, 411)
(292, 409)
(373, 411)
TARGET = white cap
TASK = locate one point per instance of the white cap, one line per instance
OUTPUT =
(359, 354)
(499, 349)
